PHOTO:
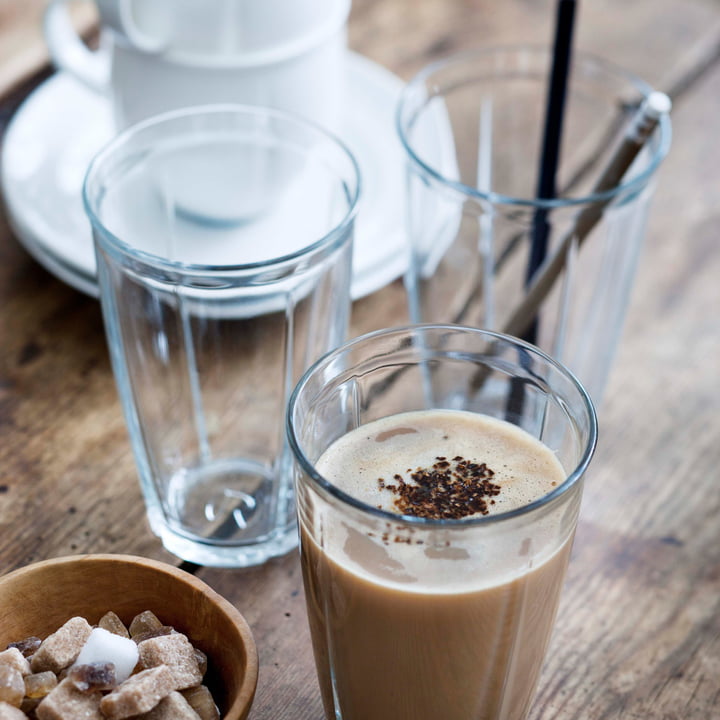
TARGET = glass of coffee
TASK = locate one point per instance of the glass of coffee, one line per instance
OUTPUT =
(439, 472)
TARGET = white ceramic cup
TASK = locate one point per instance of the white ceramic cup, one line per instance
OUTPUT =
(160, 55)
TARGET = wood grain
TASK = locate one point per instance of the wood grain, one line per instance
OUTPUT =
(638, 633)
(23, 51)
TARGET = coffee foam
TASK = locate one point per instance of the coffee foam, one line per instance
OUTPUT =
(524, 468)
(453, 558)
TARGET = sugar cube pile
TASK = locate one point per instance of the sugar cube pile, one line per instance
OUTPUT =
(144, 671)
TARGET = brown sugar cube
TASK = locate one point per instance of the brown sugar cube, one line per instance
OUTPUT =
(14, 658)
(28, 706)
(27, 646)
(10, 712)
(112, 623)
(144, 622)
(93, 676)
(177, 653)
(39, 685)
(173, 707)
(66, 702)
(162, 630)
(201, 701)
(62, 647)
(12, 685)
(138, 694)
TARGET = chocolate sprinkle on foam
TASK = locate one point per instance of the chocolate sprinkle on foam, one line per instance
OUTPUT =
(450, 489)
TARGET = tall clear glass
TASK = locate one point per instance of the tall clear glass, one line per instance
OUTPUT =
(223, 238)
(423, 618)
(472, 129)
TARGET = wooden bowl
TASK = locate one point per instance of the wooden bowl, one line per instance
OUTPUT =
(39, 598)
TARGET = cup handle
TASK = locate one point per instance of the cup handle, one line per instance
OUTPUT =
(69, 52)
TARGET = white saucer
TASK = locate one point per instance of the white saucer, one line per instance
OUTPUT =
(62, 124)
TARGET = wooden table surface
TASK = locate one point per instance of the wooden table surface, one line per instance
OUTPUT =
(638, 633)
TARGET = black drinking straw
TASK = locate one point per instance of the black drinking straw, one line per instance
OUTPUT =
(552, 135)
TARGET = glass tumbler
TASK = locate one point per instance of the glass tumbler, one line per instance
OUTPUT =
(414, 616)
(223, 238)
(472, 127)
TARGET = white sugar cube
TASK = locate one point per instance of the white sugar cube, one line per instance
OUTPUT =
(106, 647)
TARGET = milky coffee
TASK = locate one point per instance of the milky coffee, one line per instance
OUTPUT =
(431, 624)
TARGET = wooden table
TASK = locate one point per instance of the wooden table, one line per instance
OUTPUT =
(638, 634)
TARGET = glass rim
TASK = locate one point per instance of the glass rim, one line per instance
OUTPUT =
(325, 486)
(112, 242)
(610, 69)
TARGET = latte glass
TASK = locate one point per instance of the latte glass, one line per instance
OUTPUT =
(413, 617)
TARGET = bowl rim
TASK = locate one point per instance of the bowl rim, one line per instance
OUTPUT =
(240, 706)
